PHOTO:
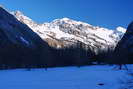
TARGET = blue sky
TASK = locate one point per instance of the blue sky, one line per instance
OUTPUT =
(106, 13)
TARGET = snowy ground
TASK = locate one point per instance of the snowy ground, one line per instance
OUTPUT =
(63, 78)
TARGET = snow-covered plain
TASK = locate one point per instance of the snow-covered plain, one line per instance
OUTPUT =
(88, 77)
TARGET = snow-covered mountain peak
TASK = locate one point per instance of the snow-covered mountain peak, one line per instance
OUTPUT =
(64, 32)
(66, 20)
(18, 12)
(21, 16)
(121, 29)
(24, 19)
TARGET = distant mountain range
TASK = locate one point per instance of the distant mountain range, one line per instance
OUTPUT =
(66, 32)
(62, 42)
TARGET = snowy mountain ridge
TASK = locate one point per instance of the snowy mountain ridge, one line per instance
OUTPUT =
(66, 32)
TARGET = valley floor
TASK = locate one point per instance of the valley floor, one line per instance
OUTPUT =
(89, 77)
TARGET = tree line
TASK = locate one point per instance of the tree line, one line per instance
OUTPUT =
(16, 56)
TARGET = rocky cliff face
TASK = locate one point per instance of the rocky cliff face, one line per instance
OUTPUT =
(66, 32)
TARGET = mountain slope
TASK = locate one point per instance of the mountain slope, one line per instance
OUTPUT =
(66, 32)
(19, 44)
(125, 46)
